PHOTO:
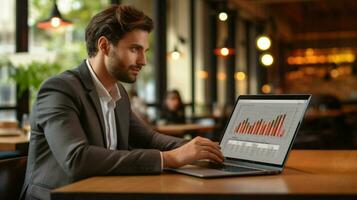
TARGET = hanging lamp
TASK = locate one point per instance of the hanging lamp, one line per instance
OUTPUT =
(55, 20)
(175, 54)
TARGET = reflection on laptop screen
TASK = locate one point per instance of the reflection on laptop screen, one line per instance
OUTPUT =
(262, 129)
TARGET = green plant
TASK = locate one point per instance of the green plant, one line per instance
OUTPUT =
(28, 76)
(32, 75)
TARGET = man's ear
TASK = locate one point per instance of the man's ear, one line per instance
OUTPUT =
(103, 45)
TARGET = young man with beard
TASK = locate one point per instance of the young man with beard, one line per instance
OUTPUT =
(82, 124)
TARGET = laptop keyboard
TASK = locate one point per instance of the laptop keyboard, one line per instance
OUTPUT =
(229, 168)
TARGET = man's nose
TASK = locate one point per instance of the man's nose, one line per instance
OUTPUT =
(142, 59)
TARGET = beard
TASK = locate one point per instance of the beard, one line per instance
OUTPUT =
(117, 69)
(121, 75)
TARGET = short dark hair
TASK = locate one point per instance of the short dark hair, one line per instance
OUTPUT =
(113, 23)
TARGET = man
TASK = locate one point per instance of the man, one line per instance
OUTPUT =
(82, 124)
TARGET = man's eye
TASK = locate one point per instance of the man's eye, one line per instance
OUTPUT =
(134, 49)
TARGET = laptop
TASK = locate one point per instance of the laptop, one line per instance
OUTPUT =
(257, 138)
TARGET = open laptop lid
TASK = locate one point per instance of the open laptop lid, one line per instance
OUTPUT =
(262, 128)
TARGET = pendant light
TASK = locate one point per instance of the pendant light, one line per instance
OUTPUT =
(55, 20)
(224, 50)
(176, 54)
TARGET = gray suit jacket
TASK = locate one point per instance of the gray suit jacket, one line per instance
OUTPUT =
(68, 140)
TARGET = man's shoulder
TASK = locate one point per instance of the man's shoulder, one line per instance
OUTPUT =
(67, 80)
(68, 76)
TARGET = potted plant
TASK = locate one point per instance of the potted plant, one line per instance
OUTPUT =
(30, 76)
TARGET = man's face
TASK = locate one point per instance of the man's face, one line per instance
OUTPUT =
(126, 59)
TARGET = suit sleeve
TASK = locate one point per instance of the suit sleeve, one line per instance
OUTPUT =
(57, 113)
(145, 137)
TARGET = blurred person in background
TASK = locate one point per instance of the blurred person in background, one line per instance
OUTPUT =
(138, 106)
(173, 110)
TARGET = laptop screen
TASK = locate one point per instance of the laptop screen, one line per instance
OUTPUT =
(262, 129)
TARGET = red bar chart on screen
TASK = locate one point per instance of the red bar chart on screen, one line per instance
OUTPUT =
(262, 127)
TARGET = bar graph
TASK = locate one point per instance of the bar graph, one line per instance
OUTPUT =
(262, 127)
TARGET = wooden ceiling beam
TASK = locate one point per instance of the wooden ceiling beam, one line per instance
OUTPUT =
(326, 35)
(278, 1)
(294, 24)
(252, 10)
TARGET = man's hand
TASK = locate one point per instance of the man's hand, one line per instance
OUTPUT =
(197, 149)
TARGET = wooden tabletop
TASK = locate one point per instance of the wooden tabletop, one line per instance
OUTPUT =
(12, 143)
(309, 174)
(180, 129)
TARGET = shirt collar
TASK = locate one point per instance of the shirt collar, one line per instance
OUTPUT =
(113, 94)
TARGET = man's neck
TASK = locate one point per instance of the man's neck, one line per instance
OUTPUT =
(101, 72)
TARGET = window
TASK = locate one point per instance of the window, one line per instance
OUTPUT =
(7, 46)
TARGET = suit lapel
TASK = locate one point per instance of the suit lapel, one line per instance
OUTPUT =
(95, 100)
(122, 120)
(87, 81)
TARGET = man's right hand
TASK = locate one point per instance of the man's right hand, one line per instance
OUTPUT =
(197, 149)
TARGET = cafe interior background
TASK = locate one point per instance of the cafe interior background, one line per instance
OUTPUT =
(211, 51)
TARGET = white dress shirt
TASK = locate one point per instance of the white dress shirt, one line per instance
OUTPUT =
(108, 101)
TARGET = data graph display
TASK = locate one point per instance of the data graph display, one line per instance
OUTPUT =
(262, 127)
(262, 130)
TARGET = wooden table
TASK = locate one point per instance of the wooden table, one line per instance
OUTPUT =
(12, 143)
(181, 129)
(308, 175)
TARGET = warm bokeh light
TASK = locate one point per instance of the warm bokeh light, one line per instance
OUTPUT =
(55, 22)
(350, 57)
(221, 76)
(291, 60)
(223, 16)
(263, 43)
(309, 52)
(224, 51)
(321, 56)
(266, 88)
(202, 74)
(267, 59)
(321, 59)
(175, 55)
(239, 76)
(334, 73)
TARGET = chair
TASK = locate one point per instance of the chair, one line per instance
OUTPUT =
(12, 176)
(325, 101)
(10, 154)
(325, 131)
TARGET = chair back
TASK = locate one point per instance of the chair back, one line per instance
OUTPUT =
(12, 176)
